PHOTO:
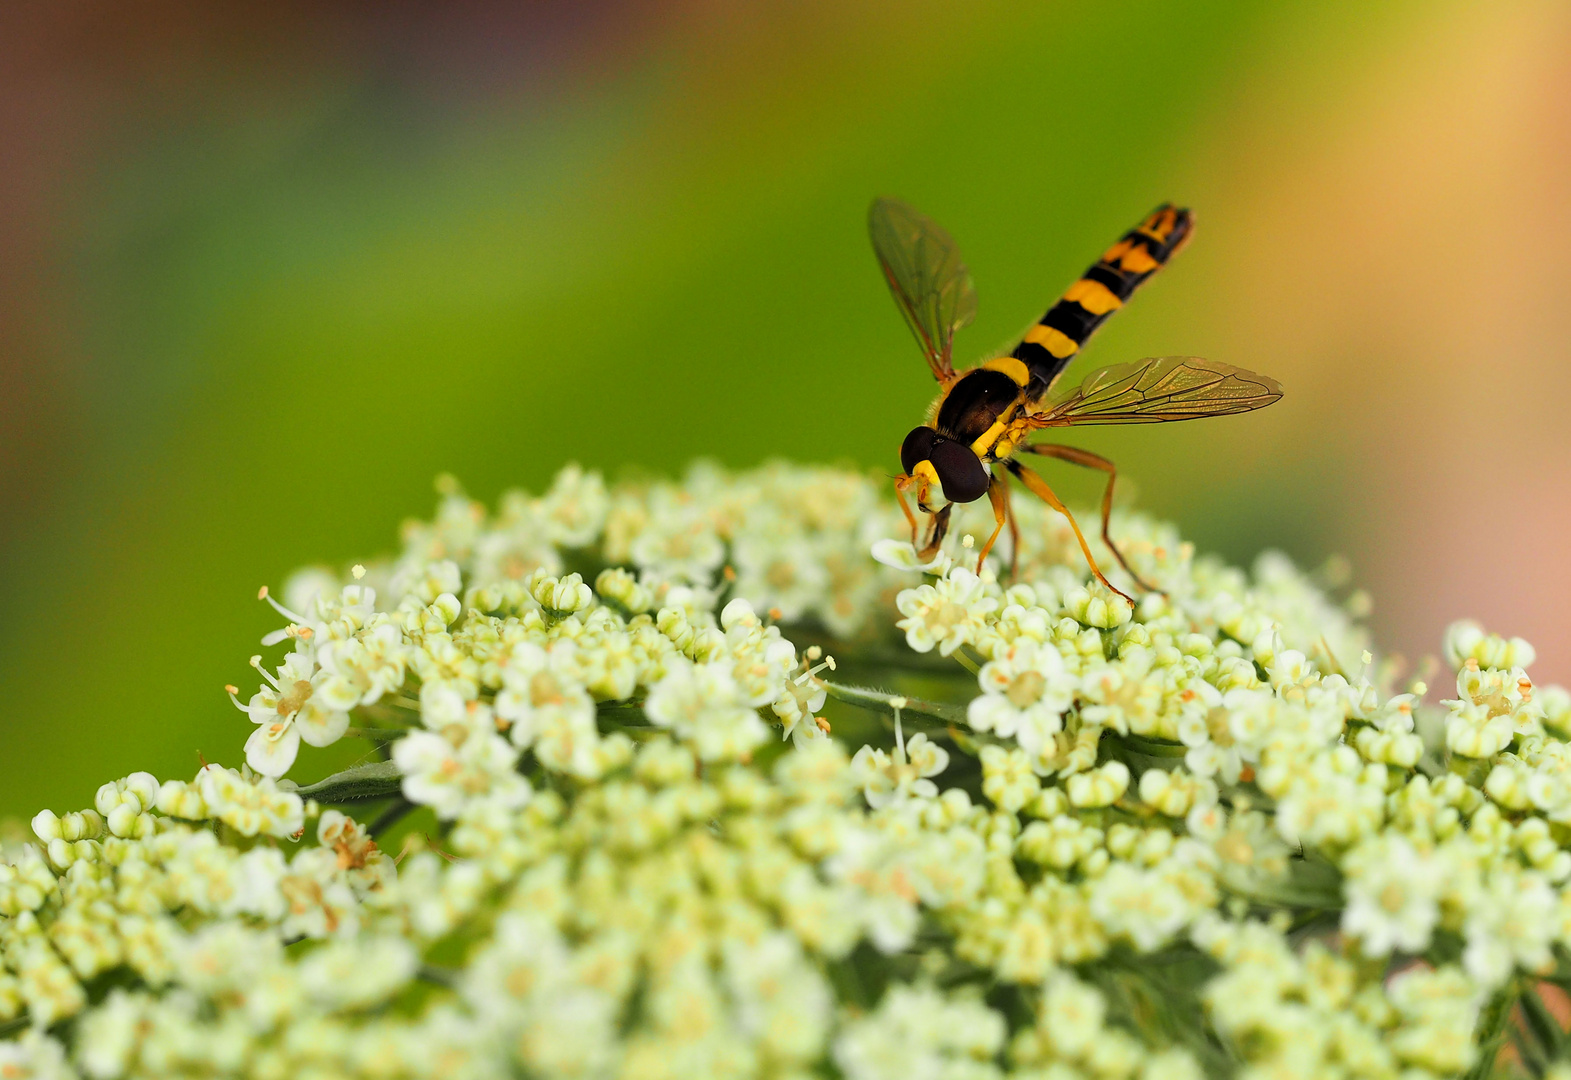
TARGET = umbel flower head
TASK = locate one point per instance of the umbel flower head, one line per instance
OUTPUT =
(713, 779)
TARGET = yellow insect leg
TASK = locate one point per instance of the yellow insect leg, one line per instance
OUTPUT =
(1038, 487)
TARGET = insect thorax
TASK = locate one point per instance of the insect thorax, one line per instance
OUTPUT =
(975, 403)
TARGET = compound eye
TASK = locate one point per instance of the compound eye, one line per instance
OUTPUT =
(960, 471)
(916, 449)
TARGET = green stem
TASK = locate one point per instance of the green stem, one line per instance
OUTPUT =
(1545, 1029)
(444, 977)
(1490, 1034)
(390, 817)
(882, 702)
(376, 734)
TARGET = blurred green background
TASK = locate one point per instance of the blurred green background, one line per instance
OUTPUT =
(266, 271)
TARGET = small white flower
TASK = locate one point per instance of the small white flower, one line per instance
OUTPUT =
(423, 582)
(1392, 895)
(705, 708)
(575, 508)
(1467, 640)
(359, 670)
(946, 614)
(447, 775)
(1510, 926)
(797, 707)
(250, 807)
(538, 695)
(1289, 668)
(1072, 1014)
(1025, 692)
(1140, 905)
(680, 545)
(36, 1056)
(784, 574)
(1472, 732)
(288, 710)
(356, 973)
(1008, 778)
(916, 1033)
(887, 778)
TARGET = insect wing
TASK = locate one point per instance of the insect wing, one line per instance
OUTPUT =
(932, 286)
(1162, 390)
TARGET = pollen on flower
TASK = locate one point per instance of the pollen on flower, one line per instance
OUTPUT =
(670, 845)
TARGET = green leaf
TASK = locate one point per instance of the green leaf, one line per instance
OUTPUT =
(1141, 754)
(1308, 883)
(377, 780)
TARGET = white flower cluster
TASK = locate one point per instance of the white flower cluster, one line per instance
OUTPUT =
(1202, 836)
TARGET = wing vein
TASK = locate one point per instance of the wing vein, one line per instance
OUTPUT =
(925, 274)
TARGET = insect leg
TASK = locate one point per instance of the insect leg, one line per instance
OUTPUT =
(998, 495)
(1038, 487)
(940, 527)
(901, 483)
(1076, 456)
(1014, 525)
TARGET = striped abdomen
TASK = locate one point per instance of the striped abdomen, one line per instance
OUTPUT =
(1054, 340)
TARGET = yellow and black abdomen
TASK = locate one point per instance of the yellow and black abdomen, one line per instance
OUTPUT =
(1053, 341)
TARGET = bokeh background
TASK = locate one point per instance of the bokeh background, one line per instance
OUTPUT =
(266, 270)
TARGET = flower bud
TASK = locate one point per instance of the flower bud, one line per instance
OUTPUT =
(125, 820)
(107, 798)
(178, 799)
(81, 825)
(144, 785)
(1098, 607)
(46, 826)
(1095, 863)
(1099, 787)
(621, 588)
(1507, 785)
(62, 853)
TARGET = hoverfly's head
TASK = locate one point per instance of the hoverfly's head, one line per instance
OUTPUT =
(933, 461)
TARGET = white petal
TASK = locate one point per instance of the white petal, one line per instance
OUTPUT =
(263, 707)
(271, 752)
(992, 712)
(319, 726)
(902, 556)
(337, 693)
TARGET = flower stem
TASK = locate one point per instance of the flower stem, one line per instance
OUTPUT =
(391, 816)
(881, 702)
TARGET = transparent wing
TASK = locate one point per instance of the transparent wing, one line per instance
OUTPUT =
(925, 274)
(1158, 391)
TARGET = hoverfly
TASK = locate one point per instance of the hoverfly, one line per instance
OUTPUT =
(984, 415)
